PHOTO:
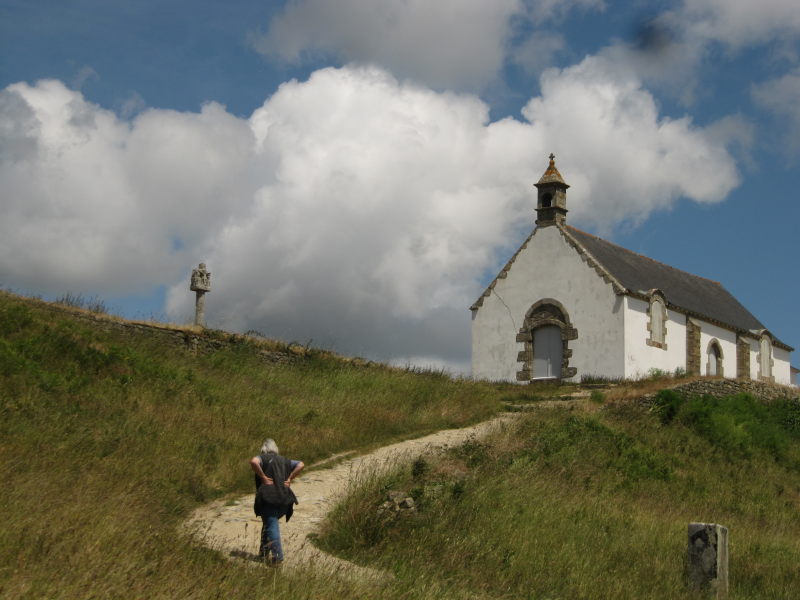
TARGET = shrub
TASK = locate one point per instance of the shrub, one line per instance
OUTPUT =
(597, 397)
(667, 404)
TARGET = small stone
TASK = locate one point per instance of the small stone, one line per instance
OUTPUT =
(407, 503)
(395, 496)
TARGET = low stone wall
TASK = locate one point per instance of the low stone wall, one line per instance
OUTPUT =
(195, 340)
(719, 388)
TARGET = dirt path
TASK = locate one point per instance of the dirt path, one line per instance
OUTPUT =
(231, 527)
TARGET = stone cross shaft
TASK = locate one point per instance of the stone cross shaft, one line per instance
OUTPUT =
(200, 284)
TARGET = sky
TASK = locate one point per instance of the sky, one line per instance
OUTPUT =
(355, 172)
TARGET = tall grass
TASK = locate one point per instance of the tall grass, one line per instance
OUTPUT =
(564, 505)
(109, 439)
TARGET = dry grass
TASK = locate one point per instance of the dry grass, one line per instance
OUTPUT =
(567, 505)
(109, 439)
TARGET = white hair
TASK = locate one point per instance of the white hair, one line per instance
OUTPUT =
(269, 447)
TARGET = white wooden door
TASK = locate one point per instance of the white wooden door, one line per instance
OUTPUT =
(547, 347)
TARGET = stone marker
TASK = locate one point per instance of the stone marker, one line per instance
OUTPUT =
(200, 284)
(707, 558)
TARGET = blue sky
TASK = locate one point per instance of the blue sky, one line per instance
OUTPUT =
(354, 172)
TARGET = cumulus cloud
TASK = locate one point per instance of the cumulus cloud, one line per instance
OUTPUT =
(90, 201)
(737, 23)
(671, 50)
(452, 44)
(782, 97)
(350, 209)
(624, 161)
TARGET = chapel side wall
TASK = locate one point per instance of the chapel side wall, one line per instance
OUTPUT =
(782, 367)
(549, 268)
(727, 343)
(755, 367)
(640, 357)
(781, 363)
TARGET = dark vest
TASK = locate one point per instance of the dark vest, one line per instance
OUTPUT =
(277, 495)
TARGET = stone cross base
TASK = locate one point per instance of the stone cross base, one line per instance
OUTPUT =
(707, 558)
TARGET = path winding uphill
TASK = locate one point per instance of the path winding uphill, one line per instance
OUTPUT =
(231, 527)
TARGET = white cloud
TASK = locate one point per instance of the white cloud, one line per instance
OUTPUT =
(782, 97)
(90, 201)
(676, 51)
(451, 44)
(537, 52)
(349, 209)
(624, 161)
(738, 23)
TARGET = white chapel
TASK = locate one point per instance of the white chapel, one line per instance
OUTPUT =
(569, 304)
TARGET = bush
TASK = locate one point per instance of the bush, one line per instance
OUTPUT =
(738, 423)
(597, 397)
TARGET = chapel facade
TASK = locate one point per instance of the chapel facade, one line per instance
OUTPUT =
(569, 304)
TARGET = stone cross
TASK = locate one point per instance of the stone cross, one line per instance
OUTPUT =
(200, 284)
(707, 558)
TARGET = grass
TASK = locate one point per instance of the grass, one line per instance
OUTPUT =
(566, 505)
(109, 438)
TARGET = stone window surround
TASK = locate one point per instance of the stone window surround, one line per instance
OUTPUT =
(720, 362)
(657, 297)
(535, 318)
(770, 378)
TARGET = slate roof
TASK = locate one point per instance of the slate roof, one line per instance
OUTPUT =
(693, 294)
(637, 275)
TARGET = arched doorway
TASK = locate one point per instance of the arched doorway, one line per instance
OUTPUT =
(546, 333)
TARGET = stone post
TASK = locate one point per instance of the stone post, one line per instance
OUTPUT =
(200, 284)
(707, 558)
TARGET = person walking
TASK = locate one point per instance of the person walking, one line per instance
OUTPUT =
(274, 496)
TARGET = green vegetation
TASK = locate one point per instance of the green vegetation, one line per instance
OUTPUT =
(572, 505)
(109, 438)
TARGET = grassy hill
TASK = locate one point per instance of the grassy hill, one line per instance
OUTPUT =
(567, 504)
(111, 434)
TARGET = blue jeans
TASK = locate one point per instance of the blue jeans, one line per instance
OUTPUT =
(271, 534)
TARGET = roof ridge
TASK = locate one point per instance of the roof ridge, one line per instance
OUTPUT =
(658, 262)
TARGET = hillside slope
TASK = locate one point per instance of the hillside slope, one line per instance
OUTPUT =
(110, 435)
(567, 504)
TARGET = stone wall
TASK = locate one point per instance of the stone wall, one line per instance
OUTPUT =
(196, 340)
(727, 387)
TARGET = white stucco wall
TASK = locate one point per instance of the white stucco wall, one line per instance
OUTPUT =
(755, 369)
(781, 363)
(727, 343)
(782, 367)
(641, 358)
(549, 268)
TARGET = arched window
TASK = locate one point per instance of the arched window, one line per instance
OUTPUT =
(765, 357)
(714, 365)
(658, 322)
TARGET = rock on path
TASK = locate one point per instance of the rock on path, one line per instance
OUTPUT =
(231, 527)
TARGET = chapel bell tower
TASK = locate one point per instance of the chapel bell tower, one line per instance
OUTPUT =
(551, 201)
